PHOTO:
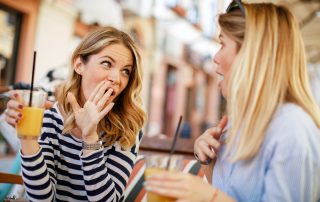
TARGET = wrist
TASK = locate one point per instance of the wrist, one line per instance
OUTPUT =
(29, 146)
(90, 138)
(215, 194)
(92, 146)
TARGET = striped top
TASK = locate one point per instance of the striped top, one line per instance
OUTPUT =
(286, 168)
(60, 171)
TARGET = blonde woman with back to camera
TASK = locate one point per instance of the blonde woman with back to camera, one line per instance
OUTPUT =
(270, 149)
(90, 137)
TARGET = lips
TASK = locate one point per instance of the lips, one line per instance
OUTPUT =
(220, 78)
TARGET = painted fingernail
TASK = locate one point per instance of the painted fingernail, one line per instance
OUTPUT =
(15, 95)
(20, 106)
(17, 121)
(20, 115)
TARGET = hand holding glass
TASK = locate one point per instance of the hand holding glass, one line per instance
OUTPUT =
(30, 125)
(156, 164)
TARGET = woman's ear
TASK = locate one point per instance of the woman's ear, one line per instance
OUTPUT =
(78, 66)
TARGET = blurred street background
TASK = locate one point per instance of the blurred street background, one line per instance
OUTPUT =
(177, 38)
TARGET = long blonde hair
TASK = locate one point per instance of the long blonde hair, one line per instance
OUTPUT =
(269, 70)
(126, 118)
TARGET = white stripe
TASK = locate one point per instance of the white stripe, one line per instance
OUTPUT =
(134, 181)
(189, 165)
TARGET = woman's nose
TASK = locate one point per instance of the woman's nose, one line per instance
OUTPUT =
(114, 76)
(215, 58)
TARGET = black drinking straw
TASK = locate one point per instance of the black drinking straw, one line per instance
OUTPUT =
(174, 143)
(32, 78)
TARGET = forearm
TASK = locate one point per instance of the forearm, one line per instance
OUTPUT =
(29, 146)
(219, 196)
(36, 178)
(107, 177)
(208, 169)
(100, 182)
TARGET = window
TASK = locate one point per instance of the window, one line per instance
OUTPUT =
(10, 24)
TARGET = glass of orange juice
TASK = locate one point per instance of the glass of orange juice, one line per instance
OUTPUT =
(30, 125)
(156, 163)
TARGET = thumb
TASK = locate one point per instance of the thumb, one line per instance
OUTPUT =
(72, 100)
(221, 125)
(48, 104)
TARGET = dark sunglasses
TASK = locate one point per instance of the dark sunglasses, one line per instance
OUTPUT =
(236, 4)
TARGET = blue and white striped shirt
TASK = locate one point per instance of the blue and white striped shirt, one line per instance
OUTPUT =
(286, 168)
(60, 172)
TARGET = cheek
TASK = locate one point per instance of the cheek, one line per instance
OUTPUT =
(227, 63)
(124, 82)
(89, 83)
(227, 68)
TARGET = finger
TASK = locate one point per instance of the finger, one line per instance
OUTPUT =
(168, 180)
(95, 90)
(13, 94)
(168, 176)
(48, 105)
(181, 200)
(104, 99)
(217, 131)
(206, 152)
(11, 121)
(222, 124)
(214, 146)
(169, 192)
(104, 112)
(72, 100)
(210, 152)
(212, 142)
(14, 105)
(13, 114)
(101, 92)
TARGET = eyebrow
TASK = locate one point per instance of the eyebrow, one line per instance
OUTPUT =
(106, 56)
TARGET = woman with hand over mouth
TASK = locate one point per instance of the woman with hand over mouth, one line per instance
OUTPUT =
(91, 135)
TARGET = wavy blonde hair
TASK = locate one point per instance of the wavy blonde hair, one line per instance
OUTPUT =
(126, 118)
(269, 70)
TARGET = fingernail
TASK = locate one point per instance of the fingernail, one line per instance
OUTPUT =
(20, 115)
(208, 161)
(17, 121)
(15, 95)
(20, 106)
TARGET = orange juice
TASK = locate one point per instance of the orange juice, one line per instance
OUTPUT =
(31, 122)
(152, 197)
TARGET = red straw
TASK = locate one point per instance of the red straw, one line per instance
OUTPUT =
(32, 78)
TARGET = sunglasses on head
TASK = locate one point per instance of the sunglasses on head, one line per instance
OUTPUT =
(236, 4)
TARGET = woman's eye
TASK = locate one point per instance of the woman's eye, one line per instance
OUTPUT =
(126, 71)
(107, 64)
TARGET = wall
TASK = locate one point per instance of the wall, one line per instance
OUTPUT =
(54, 37)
